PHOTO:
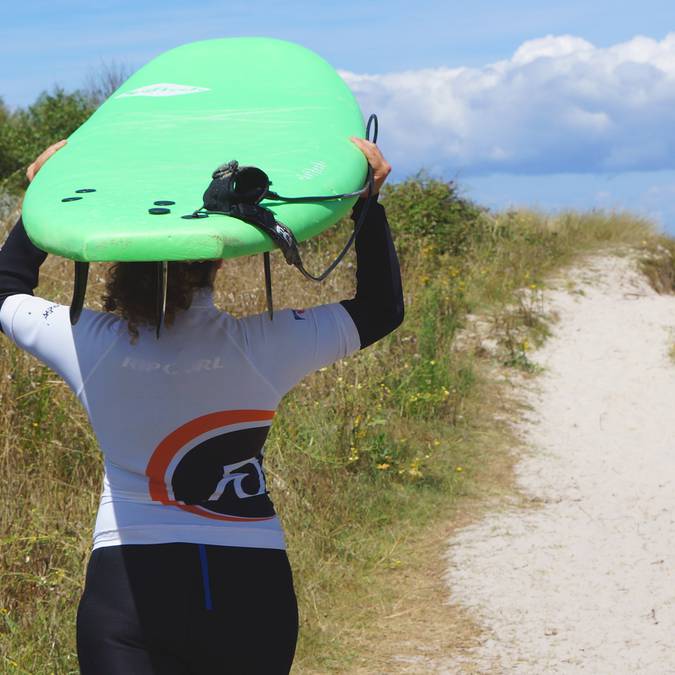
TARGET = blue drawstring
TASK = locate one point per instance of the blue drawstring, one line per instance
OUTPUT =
(205, 577)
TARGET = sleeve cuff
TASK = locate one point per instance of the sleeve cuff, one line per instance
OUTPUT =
(8, 311)
(350, 334)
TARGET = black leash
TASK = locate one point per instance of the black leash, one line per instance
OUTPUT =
(237, 192)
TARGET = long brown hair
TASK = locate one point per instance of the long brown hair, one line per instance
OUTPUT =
(131, 290)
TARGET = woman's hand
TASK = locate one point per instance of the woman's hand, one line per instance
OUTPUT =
(38, 163)
(381, 168)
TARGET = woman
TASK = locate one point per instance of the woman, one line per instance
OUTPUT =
(188, 573)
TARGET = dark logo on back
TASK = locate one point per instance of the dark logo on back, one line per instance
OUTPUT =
(221, 477)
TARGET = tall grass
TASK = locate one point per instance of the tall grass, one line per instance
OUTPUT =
(361, 454)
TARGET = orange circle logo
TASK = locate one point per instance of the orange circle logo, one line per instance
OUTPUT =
(214, 475)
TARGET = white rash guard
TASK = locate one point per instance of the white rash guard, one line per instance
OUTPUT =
(182, 420)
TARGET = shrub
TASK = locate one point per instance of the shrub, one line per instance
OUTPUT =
(424, 208)
(24, 134)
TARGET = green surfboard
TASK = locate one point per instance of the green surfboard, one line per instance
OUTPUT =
(156, 141)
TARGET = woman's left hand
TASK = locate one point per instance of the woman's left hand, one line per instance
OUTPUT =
(39, 162)
(381, 168)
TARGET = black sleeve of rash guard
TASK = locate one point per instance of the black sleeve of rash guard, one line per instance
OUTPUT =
(377, 308)
(20, 262)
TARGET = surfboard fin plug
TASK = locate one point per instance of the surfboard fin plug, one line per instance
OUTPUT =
(79, 291)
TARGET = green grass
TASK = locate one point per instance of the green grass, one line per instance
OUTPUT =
(362, 454)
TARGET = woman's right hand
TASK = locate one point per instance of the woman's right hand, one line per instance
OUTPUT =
(42, 158)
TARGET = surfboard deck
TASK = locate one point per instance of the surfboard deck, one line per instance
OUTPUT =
(156, 141)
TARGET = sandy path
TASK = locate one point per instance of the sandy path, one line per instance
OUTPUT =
(585, 582)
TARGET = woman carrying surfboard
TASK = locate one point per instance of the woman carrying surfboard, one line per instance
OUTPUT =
(189, 572)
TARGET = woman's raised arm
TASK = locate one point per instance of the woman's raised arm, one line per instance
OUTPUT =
(20, 259)
(377, 307)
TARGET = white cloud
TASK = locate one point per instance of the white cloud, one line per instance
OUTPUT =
(559, 104)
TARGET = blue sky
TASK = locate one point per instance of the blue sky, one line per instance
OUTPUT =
(549, 127)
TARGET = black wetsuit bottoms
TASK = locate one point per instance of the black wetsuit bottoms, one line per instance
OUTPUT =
(187, 609)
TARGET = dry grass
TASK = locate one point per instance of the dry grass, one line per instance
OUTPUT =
(363, 457)
(658, 263)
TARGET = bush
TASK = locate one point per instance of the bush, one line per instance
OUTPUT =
(24, 134)
(431, 210)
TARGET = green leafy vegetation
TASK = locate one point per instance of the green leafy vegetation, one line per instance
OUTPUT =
(25, 133)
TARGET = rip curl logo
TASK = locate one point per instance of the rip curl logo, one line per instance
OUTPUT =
(299, 314)
(213, 466)
(237, 479)
(163, 89)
